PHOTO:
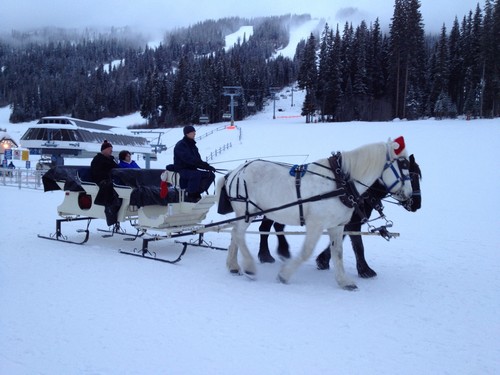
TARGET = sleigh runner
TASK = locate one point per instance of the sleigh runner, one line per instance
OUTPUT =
(139, 202)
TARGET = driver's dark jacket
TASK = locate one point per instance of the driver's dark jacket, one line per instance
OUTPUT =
(187, 156)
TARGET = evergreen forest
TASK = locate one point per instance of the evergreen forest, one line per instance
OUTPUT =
(350, 72)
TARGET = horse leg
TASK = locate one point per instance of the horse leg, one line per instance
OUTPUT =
(283, 247)
(338, 261)
(323, 259)
(238, 233)
(364, 269)
(264, 253)
(232, 254)
(290, 266)
(354, 225)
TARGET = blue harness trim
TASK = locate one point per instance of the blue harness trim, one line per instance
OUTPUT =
(302, 169)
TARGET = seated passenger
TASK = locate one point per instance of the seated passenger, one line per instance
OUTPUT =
(126, 160)
(197, 173)
(100, 171)
(103, 163)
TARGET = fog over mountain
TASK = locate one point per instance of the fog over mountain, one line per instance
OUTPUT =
(153, 17)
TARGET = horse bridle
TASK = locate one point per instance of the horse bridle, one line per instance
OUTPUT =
(415, 187)
(400, 177)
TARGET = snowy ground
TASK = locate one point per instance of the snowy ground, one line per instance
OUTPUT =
(433, 308)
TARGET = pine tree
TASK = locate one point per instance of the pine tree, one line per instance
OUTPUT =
(439, 72)
(456, 81)
(472, 68)
(407, 58)
(336, 93)
(324, 71)
(489, 52)
(307, 78)
(496, 58)
(362, 97)
(150, 95)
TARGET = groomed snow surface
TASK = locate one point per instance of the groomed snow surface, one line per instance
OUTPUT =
(432, 309)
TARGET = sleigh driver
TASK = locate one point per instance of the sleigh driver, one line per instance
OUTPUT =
(196, 175)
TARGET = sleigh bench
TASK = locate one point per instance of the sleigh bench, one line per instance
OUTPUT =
(175, 215)
(139, 190)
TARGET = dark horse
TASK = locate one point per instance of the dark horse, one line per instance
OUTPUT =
(377, 192)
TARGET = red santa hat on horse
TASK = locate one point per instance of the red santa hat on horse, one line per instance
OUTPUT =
(398, 145)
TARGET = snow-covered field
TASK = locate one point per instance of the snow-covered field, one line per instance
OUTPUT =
(433, 308)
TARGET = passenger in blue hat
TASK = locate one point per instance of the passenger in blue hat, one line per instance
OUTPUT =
(196, 175)
(126, 160)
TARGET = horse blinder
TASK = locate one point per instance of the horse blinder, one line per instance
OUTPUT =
(414, 203)
(398, 172)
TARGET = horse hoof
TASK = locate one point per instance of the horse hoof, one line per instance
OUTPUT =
(234, 272)
(322, 265)
(284, 259)
(350, 287)
(250, 275)
(266, 258)
(284, 254)
(367, 273)
(282, 280)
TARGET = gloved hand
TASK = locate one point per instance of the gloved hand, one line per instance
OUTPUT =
(205, 165)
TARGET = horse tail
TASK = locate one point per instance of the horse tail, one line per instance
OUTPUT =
(219, 185)
(224, 206)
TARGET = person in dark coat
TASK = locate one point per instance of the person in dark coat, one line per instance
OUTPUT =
(100, 171)
(103, 163)
(197, 174)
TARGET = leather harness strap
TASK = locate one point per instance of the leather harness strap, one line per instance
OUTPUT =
(351, 198)
(298, 174)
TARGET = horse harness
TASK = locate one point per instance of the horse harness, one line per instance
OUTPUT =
(346, 191)
(299, 171)
(352, 198)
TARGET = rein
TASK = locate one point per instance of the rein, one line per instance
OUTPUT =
(314, 198)
(346, 191)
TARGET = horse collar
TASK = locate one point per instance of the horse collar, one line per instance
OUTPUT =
(351, 198)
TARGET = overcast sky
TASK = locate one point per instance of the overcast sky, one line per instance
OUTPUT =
(153, 16)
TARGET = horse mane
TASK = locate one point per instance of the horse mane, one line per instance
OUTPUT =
(365, 162)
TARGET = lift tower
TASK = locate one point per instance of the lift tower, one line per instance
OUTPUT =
(232, 91)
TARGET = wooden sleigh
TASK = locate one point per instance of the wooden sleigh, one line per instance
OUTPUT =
(140, 204)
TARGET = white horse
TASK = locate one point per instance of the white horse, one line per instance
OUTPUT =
(260, 185)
